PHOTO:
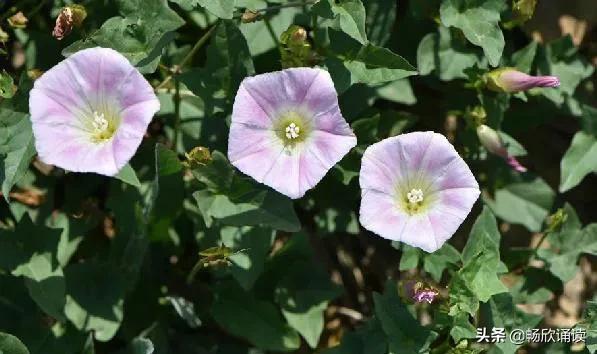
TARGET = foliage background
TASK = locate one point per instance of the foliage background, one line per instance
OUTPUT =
(90, 264)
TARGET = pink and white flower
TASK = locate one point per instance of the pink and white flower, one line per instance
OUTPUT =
(287, 130)
(90, 112)
(416, 189)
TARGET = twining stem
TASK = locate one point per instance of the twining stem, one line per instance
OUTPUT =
(176, 112)
(177, 68)
(271, 31)
(194, 271)
(536, 249)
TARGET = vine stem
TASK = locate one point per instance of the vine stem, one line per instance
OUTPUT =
(278, 7)
(176, 69)
(176, 112)
(536, 248)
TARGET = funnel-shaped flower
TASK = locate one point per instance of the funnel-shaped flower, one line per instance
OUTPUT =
(512, 80)
(90, 112)
(491, 140)
(415, 188)
(287, 130)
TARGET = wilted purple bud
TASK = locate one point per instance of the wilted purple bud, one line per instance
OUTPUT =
(417, 291)
(491, 140)
(512, 80)
(69, 17)
(425, 295)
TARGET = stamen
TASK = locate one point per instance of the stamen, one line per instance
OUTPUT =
(415, 196)
(100, 123)
(292, 131)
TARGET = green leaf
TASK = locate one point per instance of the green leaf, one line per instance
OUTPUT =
(410, 256)
(257, 321)
(303, 294)
(253, 246)
(561, 58)
(220, 8)
(589, 322)
(30, 252)
(404, 332)
(536, 286)
(462, 328)
(73, 231)
(481, 257)
(526, 203)
(381, 16)
(462, 299)
(139, 345)
(369, 339)
(128, 175)
(523, 59)
(163, 202)
(185, 310)
(349, 16)
(370, 65)
(7, 85)
(479, 21)
(237, 201)
(588, 120)
(95, 298)
(10, 344)
(46, 285)
(228, 63)
(16, 148)
(579, 160)
(447, 55)
(503, 313)
(140, 33)
(435, 263)
(562, 258)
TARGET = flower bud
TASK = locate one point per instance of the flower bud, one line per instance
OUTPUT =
(69, 17)
(522, 11)
(18, 20)
(295, 49)
(34, 73)
(512, 80)
(3, 36)
(250, 16)
(491, 140)
(198, 156)
(556, 220)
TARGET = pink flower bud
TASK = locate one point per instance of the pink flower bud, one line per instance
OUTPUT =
(512, 80)
(491, 140)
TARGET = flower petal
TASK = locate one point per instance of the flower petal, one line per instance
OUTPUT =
(65, 100)
(291, 88)
(256, 148)
(379, 214)
(420, 160)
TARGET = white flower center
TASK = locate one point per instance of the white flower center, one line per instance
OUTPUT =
(415, 196)
(100, 123)
(292, 131)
